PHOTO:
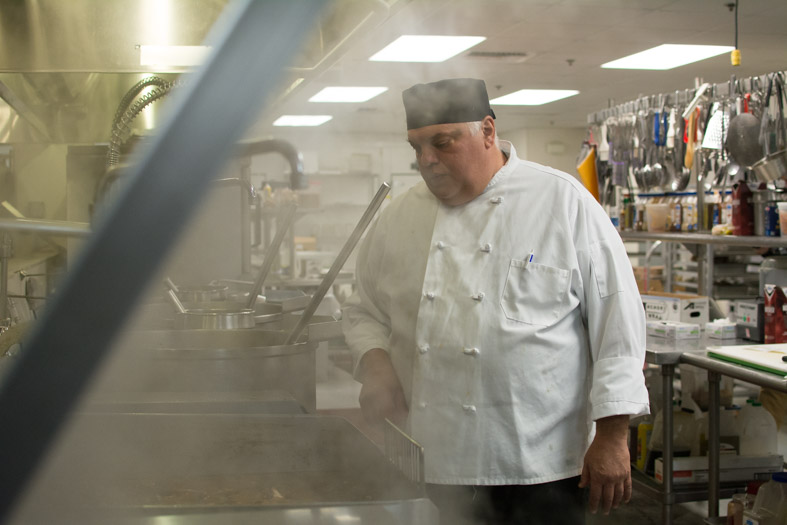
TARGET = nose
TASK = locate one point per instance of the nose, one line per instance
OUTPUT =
(427, 157)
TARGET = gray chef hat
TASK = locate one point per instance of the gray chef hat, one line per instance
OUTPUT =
(446, 102)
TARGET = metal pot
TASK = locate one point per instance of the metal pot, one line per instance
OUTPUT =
(771, 167)
(213, 361)
(774, 165)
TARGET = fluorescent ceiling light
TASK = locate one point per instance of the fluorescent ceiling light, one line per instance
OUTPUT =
(347, 94)
(302, 120)
(667, 56)
(172, 55)
(533, 97)
(425, 48)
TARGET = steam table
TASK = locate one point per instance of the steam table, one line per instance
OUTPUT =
(667, 354)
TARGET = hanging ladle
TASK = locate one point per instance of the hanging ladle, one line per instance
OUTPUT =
(347, 249)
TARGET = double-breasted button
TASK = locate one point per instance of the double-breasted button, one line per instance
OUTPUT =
(471, 351)
(496, 200)
(429, 295)
(486, 248)
(423, 349)
(470, 409)
(422, 404)
(440, 245)
(478, 296)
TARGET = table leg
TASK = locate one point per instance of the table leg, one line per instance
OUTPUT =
(714, 380)
(667, 374)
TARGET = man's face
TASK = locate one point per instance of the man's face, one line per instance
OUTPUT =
(451, 160)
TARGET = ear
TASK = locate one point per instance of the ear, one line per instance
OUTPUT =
(488, 131)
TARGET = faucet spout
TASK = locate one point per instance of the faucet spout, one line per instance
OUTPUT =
(284, 148)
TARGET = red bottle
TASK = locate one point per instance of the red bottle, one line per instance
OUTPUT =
(775, 301)
(742, 210)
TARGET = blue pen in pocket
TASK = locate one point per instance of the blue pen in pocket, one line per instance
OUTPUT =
(530, 258)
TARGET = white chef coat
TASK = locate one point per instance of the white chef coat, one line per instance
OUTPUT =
(512, 321)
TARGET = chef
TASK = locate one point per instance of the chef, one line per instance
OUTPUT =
(497, 318)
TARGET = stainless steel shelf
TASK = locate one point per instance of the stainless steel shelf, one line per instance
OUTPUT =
(681, 493)
(704, 238)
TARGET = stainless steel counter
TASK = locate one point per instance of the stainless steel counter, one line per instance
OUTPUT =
(215, 469)
(667, 354)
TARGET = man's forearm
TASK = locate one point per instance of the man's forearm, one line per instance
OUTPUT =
(613, 427)
(373, 362)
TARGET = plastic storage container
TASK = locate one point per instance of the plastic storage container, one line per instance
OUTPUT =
(782, 218)
(684, 430)
(770, 505)
(757, 431)
(735, 509)
(773, 270)
(657, 215)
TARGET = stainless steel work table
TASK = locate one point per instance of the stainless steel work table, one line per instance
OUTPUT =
(667, 354)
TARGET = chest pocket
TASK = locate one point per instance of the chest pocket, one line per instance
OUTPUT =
(535, 293)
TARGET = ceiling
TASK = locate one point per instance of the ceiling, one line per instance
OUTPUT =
(565, 41)
(64, 66)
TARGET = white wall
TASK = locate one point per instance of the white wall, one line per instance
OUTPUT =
(544, 145)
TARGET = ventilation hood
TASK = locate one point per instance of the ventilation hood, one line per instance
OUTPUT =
(64, 66)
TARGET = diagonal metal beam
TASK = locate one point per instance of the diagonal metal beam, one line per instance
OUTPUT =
(23, 110)
(253, 42)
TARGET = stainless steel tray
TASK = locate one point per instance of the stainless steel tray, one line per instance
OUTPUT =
(274, 469)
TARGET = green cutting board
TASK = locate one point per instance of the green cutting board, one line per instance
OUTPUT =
(767, 358)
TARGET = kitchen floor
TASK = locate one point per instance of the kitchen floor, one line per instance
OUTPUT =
(337, 394)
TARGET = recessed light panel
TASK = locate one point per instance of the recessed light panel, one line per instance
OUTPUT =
(302, 120)
(667, 56)
(533, 97)
(425, 48)
(347, 94)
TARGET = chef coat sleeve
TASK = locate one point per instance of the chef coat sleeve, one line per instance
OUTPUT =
(365, 322)
(614, 317)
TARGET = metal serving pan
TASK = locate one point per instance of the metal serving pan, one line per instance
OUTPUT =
(275, 469)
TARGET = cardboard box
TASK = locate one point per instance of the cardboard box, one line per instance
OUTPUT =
(684, 308)
(673, 330)
(305, 244)
(694, 469)
(655, 280)
(721, 330)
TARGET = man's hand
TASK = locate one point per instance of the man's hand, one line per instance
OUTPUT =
(607, 468)
(381, 394)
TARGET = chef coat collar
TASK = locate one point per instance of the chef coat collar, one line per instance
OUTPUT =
(508, 149)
